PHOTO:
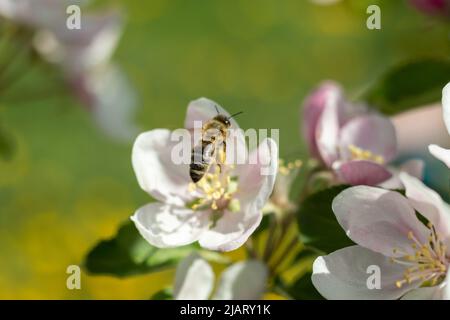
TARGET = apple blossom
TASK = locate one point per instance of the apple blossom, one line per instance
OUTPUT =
(413, 256)
(84, 57)
(221, 210)
(355, 143)
(194, 280)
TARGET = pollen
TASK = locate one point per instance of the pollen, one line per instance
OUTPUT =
(215, 190)
(361, 154)
(428, 263)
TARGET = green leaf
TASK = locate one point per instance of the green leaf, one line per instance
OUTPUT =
(129, 254)
(303, 289)
(164, 294)
(317, 223)
(410, 85)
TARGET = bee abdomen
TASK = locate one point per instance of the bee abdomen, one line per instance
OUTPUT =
(200, 161)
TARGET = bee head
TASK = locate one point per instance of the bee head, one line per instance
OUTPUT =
(223, 119)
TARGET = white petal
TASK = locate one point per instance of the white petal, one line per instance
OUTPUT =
(155, 169)
(242, 281)
(446, 106)
(440, 154)
(378, 219)
(231, 230)
(428, 203)
(346, 273)
(194, 279)
(446, 291)
(255, 184)
(257, 177)
(166, 226)
(413, 167)
(425, 293)
(204, 110)
(110, 98)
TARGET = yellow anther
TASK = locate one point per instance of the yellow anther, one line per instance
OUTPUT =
(361, 154)
(428, 264)
(215, 186)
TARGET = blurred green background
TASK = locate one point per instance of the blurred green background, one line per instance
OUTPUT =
(68, 185)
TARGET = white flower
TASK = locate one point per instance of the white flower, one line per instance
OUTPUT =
(222, 210)
(413, 257)
(441, 153)
(194, 280)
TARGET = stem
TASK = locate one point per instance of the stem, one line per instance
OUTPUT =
(289, 248)
(251, 248)
(282, 292)
(270, 240)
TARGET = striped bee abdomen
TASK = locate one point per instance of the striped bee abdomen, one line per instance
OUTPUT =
(201, 159)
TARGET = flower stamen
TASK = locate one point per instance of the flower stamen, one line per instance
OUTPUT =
(429, 262)
(361, 154)
(215, 189)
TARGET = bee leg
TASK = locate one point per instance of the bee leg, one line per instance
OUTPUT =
(222, 155)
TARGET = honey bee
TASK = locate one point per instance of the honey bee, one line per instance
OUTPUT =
(212, 147)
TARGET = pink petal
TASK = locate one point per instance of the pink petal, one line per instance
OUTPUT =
(440, 154)
(373, 133)
(328, 127)
(428, 203)
(344, 274)
(313, 107)
(361, 172)
(378, 219)
(156, 171)
(167, 226)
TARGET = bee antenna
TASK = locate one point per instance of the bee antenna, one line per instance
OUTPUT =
(217, 109)
(236, 114)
